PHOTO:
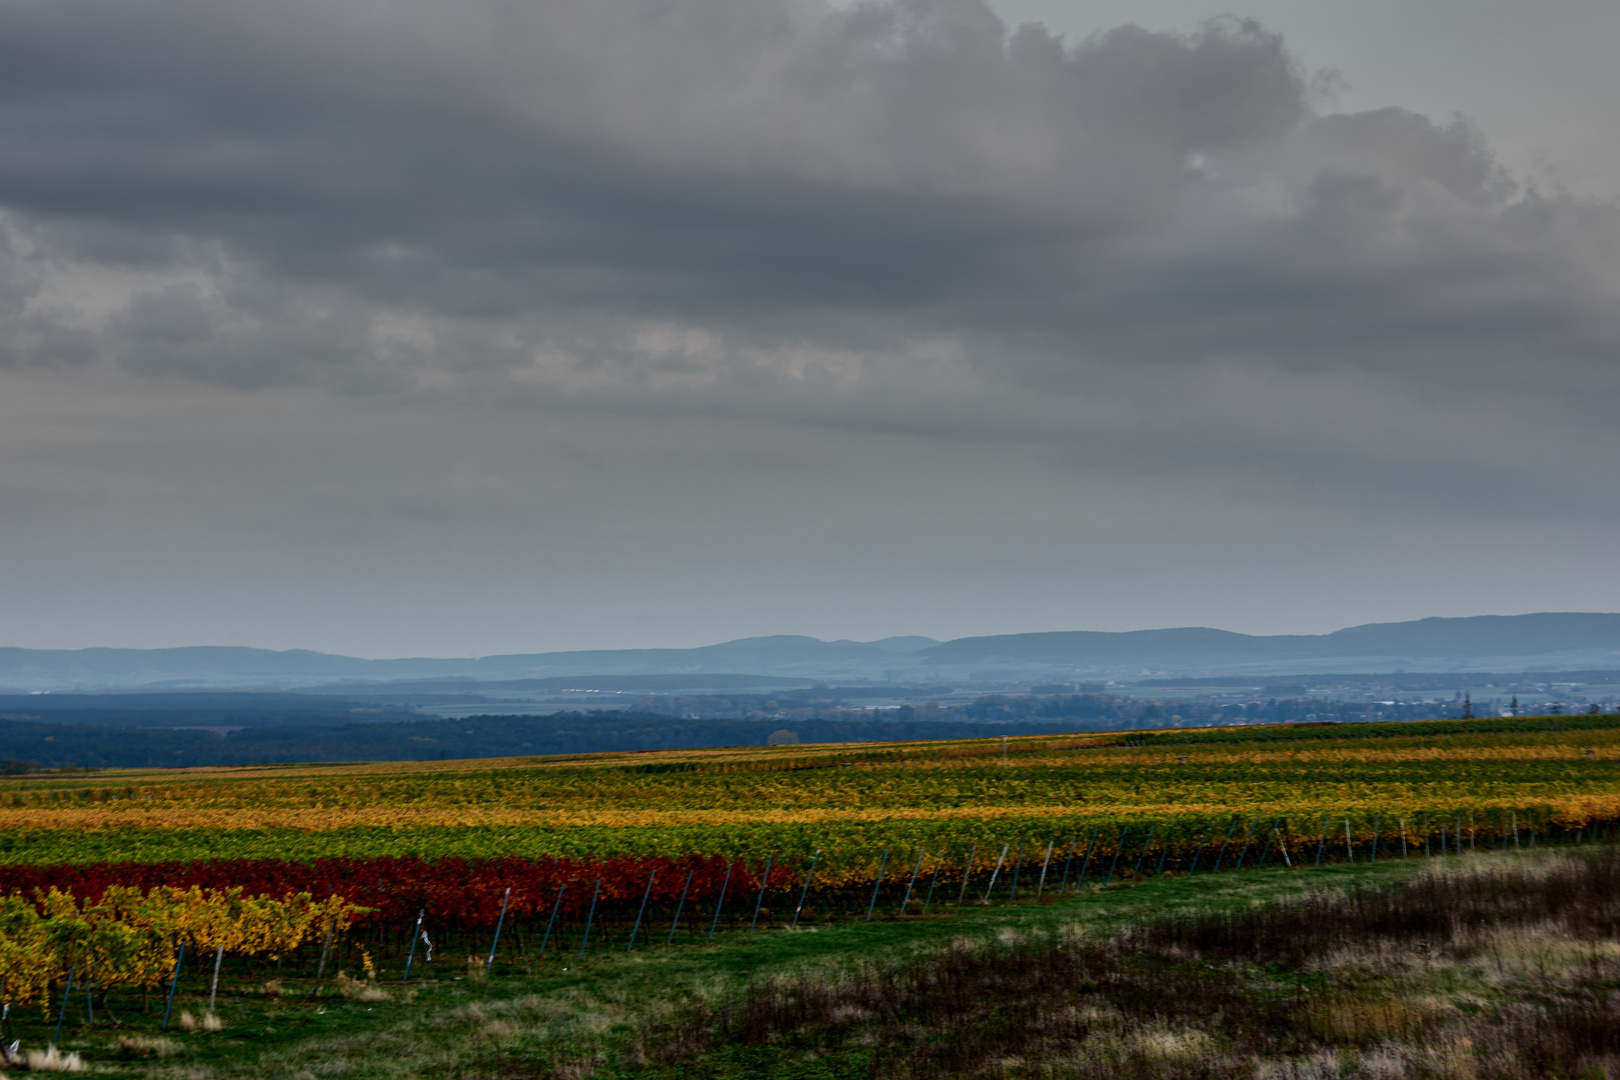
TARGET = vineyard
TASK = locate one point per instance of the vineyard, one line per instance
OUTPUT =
(112, 879)
(129, 937)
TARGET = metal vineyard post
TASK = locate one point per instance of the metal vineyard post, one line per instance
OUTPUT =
(967, 870)
(1198, 850)
(553, 920)
(997, 873)
(326, 949)
(763, 882)
(412, 956)
(490, 965)
(1248, 838)
(678, 907)
(1067, 863)
(914, 872)
(1266, 849)
(806, 890)
(720, 903)
(590, 918)
(1086, 863)
(643, 910)
(213, 989)
(932, 882)
(1221, 854)
(871, 907)
(174, 982)
(1137, 869)
(67, 992)
(1119, 849)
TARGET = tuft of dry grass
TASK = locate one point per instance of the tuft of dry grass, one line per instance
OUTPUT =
(477, 974)
(133, 1045)
(53, 1060)
(360, 989)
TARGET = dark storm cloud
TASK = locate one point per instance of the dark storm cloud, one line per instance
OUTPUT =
(701, 199)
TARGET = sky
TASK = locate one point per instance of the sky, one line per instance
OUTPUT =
(419, 327)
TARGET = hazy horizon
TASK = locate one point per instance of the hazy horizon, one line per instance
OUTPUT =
(754, 637)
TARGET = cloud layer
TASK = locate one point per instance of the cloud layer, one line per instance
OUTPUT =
(720, 284)
(627, 196)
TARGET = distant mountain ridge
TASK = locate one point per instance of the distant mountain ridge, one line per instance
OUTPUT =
(218, 666)
(1546, 640)
(1512, 639)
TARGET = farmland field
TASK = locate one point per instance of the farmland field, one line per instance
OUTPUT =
(850, 801)
(464, 840)
(579, 856)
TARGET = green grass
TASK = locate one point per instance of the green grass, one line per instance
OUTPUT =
(1380, 729)
(562, 1015)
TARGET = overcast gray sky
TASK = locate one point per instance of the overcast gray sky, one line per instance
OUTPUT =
(457, 328)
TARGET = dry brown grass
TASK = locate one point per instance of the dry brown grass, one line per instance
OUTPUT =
(360, 989)
(477, 973)
(53, 1060)
(1492, 968)
(133, 1045)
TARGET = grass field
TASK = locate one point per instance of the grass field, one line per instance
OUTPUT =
(1485, 966)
